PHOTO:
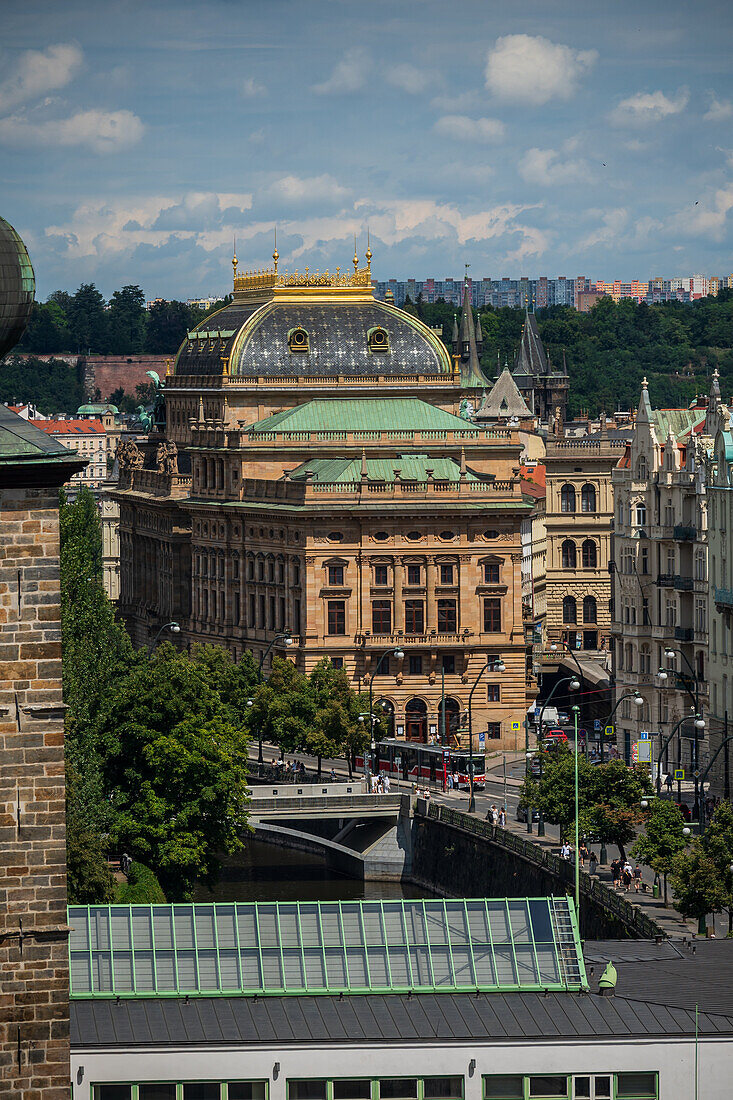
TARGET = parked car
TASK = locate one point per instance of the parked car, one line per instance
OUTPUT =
(522, 814)
(555, 736)
(563, 718)
(533, 766)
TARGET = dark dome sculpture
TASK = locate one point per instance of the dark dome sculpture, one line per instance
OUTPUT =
(17, 287)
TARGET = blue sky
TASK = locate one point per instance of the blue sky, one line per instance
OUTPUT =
(538, 138)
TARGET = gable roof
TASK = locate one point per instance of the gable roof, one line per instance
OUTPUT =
(503, 400)
(72, 427)
(367, 414)
(681, 421)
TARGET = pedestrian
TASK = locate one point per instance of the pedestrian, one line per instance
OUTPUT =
(386, 784)
(637, 878)
(668, 782)
(565, 850)
(583, 853)
(449, 780)
(333, 775)
(502, 817)
(456, 782)
(494, 814)
(615, 872)
(592, 863)
(626, 876)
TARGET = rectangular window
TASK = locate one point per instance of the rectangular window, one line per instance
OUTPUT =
(336, 616)
(296, 617)
(156, 1092)
(446, 574)
(448, 664)
(261, 613)
(280, 573)
(306, 1090)
(281, 620)
(493, 693)
(272, 623)
(112, 1092)
(336, 575)
(443, 1088)
(246, 1090)
(414, 665)
(381, 617)
(548, 1086)
(352, 1090)
(491, 572)
(645, 559)
(202, 1090)
(296, 573)
(337, 662)
(493, 731)
(447, 617)
(638, 1086)
(504, 1086)
(492, 615)
(414, 617)
(399, 1088)
(414, 573)
(381, 576)
(252, 622)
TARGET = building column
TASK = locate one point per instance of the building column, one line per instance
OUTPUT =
(430, 605)
(399, 606)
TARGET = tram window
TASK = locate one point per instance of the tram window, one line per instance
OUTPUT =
(432, 767)
(202, 1090)
(246, 1090)
(306, 1090)
(156, 1092)
(398, 1089)
(112, 1092)
(443, 1088)
(352, 1090)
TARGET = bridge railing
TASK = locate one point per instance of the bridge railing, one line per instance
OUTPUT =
(563, 869)
(349, 804)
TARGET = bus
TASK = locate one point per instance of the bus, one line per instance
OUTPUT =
(426, 764)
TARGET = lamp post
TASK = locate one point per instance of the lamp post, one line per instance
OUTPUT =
(699, 725)
(174, 628)
(638, 700)
(399, 654)
(670, 652)
(574, 685)
(570, 652)
(576, 711)
(496, 665)
(286, 640)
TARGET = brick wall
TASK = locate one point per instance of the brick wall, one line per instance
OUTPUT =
(34, 980)
(108, 372)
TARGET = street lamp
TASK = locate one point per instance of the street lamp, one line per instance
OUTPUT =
(576, 711)
(574, 685)
(174, 628)
(496, 665)
(286, 640)
(638, 699)
(671, 653)
(399, 654)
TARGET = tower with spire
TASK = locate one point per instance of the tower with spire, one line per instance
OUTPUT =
(468, 344)
(543, 387)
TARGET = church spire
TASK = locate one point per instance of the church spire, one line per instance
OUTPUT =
(467, 348)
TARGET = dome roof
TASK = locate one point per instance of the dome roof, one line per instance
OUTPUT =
(17, 287)
(287, 326)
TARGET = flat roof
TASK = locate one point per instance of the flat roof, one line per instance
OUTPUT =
(324, 947)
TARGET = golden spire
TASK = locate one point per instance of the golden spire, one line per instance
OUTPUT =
(167, 368)
(276, 254)
(235, 261)
(356, 258)
(368, 254)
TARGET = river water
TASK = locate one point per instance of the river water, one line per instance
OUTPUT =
(266, 872)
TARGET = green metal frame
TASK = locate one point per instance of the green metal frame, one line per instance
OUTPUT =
(297, 948)
(525, 1095)
(134, 1086)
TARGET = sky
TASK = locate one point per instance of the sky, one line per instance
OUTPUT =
(554, 137)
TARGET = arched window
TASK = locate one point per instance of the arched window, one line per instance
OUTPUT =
(588, 498)
(569, 611)
(642, 470)
(590, 554)
(590, 610)
(641, 515)
(569, 554)
(567, 498)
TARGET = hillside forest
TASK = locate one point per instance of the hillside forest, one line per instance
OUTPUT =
(608, 351)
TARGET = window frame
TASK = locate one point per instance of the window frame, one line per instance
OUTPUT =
(335, 608)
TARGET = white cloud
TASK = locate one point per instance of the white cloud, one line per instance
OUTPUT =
(648, 107)
(534, 70)
(349, 75)
(295, 189)
(548, 166)
(39, 72)
(462, 101)
(463, 128)
(719, 109)
(708, 217)
(252, 88)
(607, 232)
(408, 78)
(100, 131)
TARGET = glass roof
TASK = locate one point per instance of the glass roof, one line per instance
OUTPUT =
(273, 948)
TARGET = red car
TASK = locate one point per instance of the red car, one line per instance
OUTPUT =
(555, 737)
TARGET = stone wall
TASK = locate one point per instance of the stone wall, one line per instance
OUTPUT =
(34, 979)
(107, 373)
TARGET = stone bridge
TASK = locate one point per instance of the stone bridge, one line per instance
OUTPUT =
(364, 835)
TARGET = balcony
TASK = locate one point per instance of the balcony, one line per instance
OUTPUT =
(685, 534)
(429, 638)
(684, 634)
(665, 580)
(724, 597)
(684, 584)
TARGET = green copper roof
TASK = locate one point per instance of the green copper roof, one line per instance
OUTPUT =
(369, 414)
(681, 421)
(22, 441)
(486, 944)
(412, 467)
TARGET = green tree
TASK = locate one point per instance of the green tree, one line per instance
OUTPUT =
(53, 385)
(697, 885)
(337, 730)
(126, 321)
(48, 330)
(88, 878)
(88, 321)
(175, 770)
(168, 323)
(717, 842)
(662, 840)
